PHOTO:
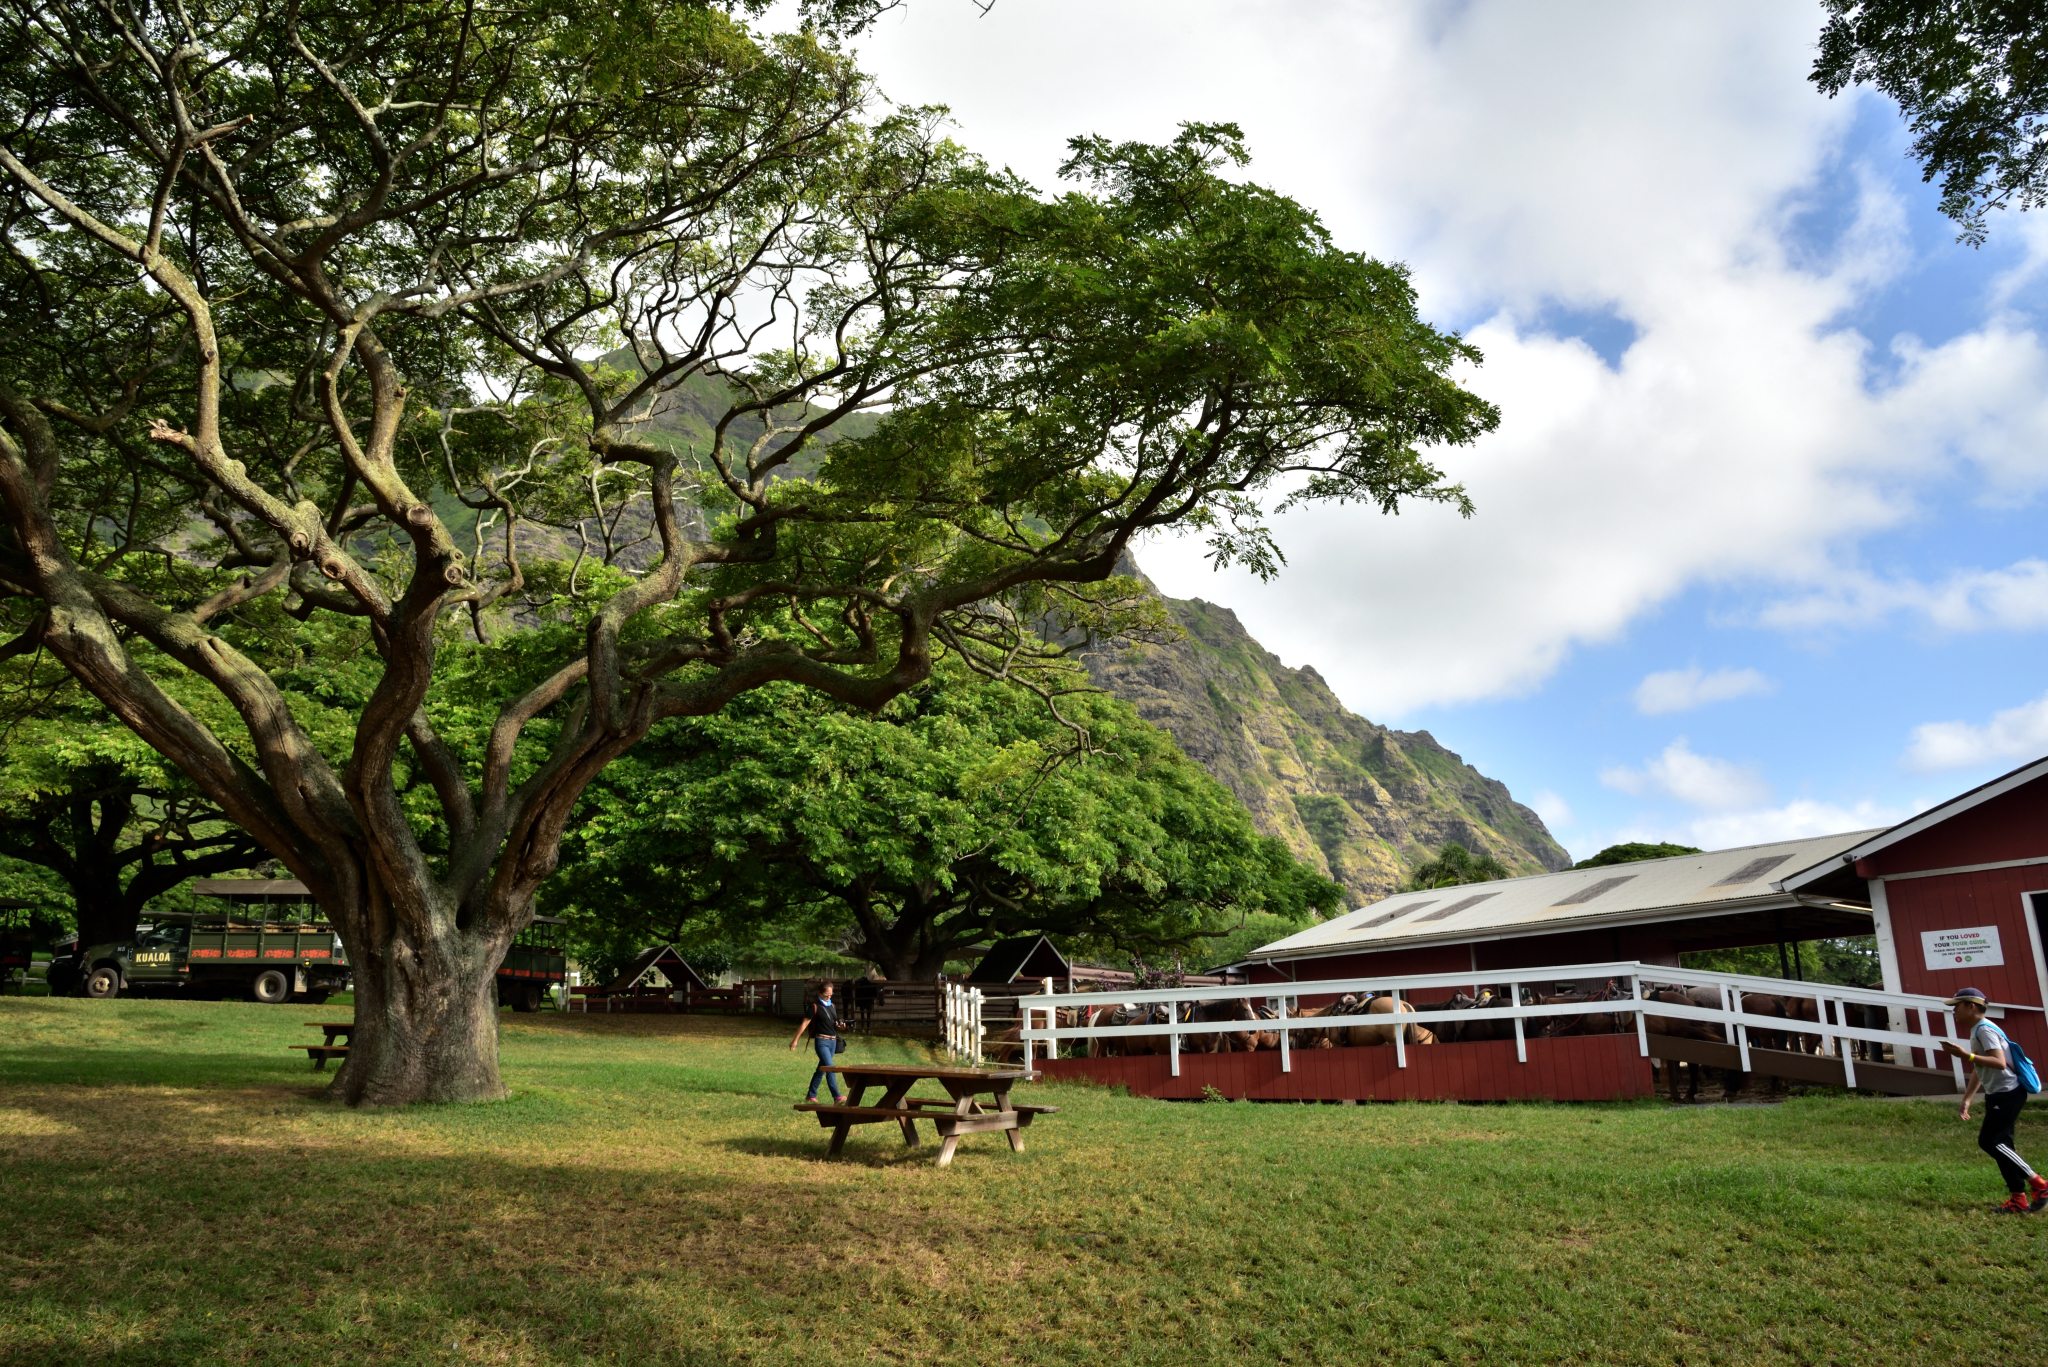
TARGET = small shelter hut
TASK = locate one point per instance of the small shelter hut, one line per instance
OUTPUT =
(1032, 958)
(657, 973)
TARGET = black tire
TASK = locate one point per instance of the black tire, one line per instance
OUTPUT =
(103, 983)
(271, 987)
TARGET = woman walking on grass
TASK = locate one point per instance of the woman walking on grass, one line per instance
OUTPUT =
(821, 1018)
(2003, 1097)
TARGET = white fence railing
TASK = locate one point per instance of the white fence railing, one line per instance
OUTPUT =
(1041, 1011)
(960, 1021)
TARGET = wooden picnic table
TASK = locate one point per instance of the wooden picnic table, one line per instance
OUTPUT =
(327, 1048)
(961, 1114)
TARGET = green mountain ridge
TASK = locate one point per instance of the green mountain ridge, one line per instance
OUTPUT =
(1361, 802)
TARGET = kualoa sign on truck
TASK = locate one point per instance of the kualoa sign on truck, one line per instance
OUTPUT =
(268, 944)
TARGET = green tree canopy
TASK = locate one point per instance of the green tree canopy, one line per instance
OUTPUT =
(958, 813)
(298, 290)
(1971, 78)
(1630, 852)
(1454, 864)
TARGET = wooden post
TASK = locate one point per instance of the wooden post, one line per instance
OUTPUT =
(1845, 1049)
(1948, 1021)
(1521, 1037)
(1286, 1062)
(1635, 988)
(1173, 1037)
(1731, 1000)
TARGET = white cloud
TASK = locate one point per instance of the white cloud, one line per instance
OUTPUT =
(1794, 820)
(1681, 690)
(1696, 780)
(1555, 811)
(2012, 599)
(2018, 733)
(1757, 825)
(1641, 162)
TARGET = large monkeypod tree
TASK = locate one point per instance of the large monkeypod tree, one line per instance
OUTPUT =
(324, 286)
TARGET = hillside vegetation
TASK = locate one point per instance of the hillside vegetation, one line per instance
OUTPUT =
(1363, 803)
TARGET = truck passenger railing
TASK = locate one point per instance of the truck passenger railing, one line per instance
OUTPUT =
(1935, 1022)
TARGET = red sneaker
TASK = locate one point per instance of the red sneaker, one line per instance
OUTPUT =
(2037, 1191)
(2016, 1204)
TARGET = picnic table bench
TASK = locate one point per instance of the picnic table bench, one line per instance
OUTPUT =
(961, 1113)
(327, 1048)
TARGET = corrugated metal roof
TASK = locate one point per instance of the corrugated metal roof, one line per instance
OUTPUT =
(1686, 884)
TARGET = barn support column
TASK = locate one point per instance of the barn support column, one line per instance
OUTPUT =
(1887, 948)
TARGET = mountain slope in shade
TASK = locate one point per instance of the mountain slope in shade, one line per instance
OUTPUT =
(1359, 801)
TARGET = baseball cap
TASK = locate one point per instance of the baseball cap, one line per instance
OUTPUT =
(1968, 994)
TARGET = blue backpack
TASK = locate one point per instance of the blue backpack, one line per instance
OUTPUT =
(2020, 1065)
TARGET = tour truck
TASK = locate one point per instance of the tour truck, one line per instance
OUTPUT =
(272, 947)
(535, 962)
(269, 946)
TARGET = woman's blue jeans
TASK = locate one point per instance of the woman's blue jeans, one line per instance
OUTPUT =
(826, 1045)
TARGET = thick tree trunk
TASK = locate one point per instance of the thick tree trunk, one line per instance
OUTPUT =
(426, 1023)
(105, 915)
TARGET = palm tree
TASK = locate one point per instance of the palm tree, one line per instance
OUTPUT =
(1454, 864)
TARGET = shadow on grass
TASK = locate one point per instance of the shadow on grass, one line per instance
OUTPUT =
(319, 1237)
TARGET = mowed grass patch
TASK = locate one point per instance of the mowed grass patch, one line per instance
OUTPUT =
(179, 1190)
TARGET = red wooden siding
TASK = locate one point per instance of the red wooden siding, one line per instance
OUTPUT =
(1586, 1068)
(1956, 900)
(2013, 825)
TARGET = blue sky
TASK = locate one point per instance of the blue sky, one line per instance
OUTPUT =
(1759, 550)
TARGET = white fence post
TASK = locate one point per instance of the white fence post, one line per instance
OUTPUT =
(1286, 1062)
(1521, 1035)
(1635, 991)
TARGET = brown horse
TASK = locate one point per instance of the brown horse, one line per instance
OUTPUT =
(1225, 1041)
(1679, 1028)
(1324, 1038)
(1593, 1022)
(1385, 1034)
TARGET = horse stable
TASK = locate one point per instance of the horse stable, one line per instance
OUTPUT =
(1956, 896)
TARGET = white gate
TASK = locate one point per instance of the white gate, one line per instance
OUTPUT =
(960, 1022)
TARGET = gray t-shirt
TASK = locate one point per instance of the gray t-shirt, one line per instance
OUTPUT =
(1983, 1040)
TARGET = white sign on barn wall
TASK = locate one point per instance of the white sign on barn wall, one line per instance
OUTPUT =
(1976, 947)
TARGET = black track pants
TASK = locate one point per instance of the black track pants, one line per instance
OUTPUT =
(2001, 1112)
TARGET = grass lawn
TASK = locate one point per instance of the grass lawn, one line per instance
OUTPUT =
(177, 1190)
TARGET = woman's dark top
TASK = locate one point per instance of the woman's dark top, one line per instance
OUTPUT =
(824, 1017)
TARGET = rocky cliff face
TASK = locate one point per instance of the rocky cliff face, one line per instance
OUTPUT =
(1358, 801)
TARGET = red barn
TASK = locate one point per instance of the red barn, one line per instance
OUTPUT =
(1958, 897)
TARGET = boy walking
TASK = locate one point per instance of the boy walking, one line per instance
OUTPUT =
(821, 1018)
(2003, 1097)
